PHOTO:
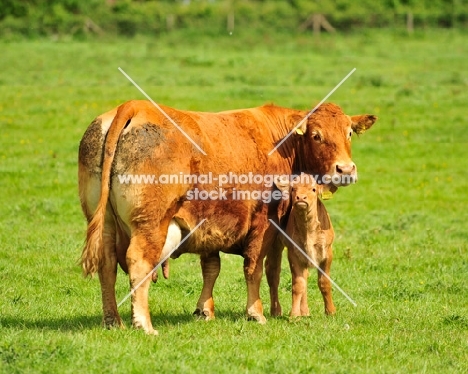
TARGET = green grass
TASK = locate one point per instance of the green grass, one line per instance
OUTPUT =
(401, 239)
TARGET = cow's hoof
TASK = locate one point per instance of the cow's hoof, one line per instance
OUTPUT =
(146, 327)
(113, 323)
(276, 312)
(260, 319)
(203, 314)
(148, 331)
(275, 309)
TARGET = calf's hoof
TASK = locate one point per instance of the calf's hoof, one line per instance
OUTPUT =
(330, 310)
(152, 332)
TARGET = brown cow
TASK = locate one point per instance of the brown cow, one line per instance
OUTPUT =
(309, 227)
(128, 222)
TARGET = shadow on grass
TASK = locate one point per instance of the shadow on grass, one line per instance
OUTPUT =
(87, 322)
(67, 324)
(189, 317)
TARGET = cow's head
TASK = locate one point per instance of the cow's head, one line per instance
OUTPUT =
(326, 139)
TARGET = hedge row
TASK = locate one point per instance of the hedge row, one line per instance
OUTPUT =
(126, 17)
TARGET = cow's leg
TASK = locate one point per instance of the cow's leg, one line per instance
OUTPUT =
(253, 271)
(273, 271)
(324, 284)
(108, 275)
(299, 274)
(211, 266)
(139, 266)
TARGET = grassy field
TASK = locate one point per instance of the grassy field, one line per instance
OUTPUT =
(401, 249)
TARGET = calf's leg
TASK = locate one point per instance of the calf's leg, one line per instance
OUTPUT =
(299, 273)
(324, 284)
(304, 305)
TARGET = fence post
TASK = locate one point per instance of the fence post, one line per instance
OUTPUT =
(316, 23)
(230, 22)
(170, 21)
(454, 13)
(409, 22)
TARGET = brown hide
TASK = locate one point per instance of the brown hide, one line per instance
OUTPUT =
(127, 223)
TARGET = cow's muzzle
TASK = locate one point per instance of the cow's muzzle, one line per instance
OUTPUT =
(344, 174)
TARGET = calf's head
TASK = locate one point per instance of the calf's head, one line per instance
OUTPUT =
(326, 143)
(304, 193)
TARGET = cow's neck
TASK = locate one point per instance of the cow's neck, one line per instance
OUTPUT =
(282, 121)
(302, 163)
(292, 149)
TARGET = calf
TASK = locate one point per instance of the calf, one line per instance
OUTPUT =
(309, 226)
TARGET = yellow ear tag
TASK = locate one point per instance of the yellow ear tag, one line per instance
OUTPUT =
(327, 195)
(299, 132)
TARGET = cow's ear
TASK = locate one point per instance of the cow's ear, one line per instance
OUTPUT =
(282, 183)
(362, 122)
(326, 191)
(301, 130)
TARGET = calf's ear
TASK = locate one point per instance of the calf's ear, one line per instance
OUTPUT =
(282, 183)
(362, 122)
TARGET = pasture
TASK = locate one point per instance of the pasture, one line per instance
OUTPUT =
(401, 247)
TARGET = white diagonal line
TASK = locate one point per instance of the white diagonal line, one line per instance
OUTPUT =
(160, 262)
(162, 111)
(310, 113)
(308, 258)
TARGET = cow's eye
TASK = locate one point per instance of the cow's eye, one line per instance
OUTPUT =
(350, 134)
(317, 137)
(313, 189)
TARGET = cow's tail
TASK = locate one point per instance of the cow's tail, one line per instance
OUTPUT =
(93, 251)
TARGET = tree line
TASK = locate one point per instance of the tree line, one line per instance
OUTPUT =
(130, 17)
